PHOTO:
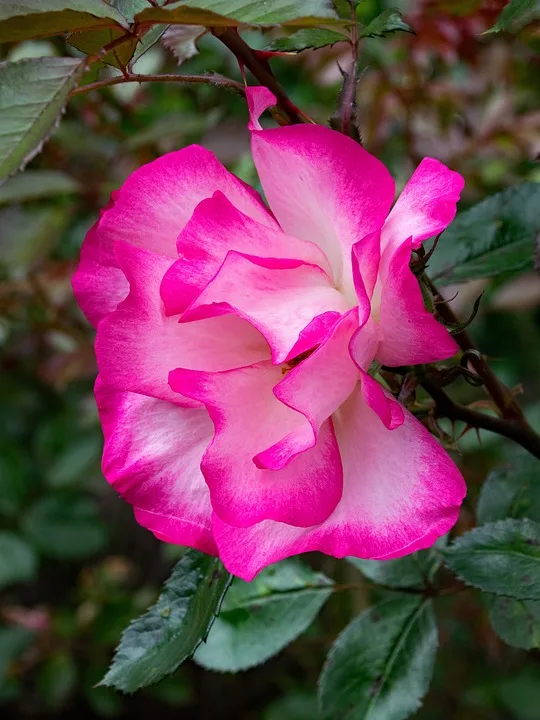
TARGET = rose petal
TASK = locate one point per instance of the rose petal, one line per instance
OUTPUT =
(152, 457)
(248, 418)
(279, 297)
(138, 344)
(215, 228)
(321, 185)
(426, 206)
(401, 492)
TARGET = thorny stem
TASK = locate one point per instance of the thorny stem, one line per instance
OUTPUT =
(210, 79)
(520, 433)
(261, 70)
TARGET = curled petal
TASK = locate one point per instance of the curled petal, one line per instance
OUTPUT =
(248, 418)
(426, 206)
(409, 334)
(316, 387)
(389, 410)
(215, 228)
(279, 297)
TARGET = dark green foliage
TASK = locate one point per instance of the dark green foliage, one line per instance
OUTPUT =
(260, 618)
(501, 557)
(496, 236)
(155, 644)
(381, 665)
(511, 491)
(415, 570)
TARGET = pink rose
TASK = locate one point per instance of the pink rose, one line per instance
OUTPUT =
(234, 345)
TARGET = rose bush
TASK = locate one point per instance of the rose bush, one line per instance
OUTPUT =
(237, 349)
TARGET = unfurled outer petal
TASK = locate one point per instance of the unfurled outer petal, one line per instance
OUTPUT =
(321, 186)
(98, 283)
(149, 211)
(401, 491)
(157, 200)
(248, 418)
(426, 206)
(138, 344)
(408, 333)
(215, 228)
(152, 457)
(278, 297)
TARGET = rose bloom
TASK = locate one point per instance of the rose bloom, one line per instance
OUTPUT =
(235, 344)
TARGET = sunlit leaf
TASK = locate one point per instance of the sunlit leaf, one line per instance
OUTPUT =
(22, 19)
(227, 13)
(33, 94)
(181, 40)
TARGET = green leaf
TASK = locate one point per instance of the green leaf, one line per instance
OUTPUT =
(67, 527)
(23, 19)
(28, 234)
(155, 644)
(389, 21)
(92, 41)
(414, 570)
(516, 14)
(517, 622)
(33, 93)
(511, 491)
(496, 236)
(36, 185)
(229, 13)
(308, 38)
(57, 680)
(258, 619)
(129, 8)
(13, 642)
(502, 558)
(381, 665)
(18, 562)
(15, 468)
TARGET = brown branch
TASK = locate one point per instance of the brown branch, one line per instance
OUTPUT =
(511, 428)
(260, 70)
(501, 395)
(209, 79)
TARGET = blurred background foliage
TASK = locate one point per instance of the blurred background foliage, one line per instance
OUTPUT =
(74, 565)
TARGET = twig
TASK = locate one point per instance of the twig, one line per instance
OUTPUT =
(261, 70)
(209, 79)
(511, 428)
(501, 395)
